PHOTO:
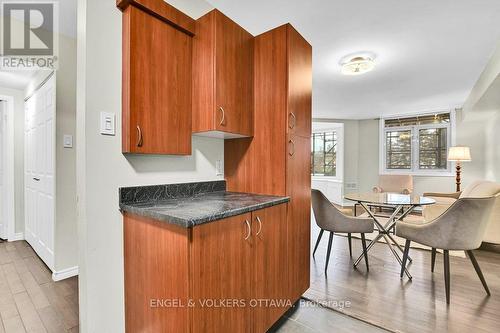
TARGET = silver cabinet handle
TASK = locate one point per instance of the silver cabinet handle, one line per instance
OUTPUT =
(223, 115)
(36, 179)
(290, 123)
(291, 151)
(260, 226)
(139, 136)
(249, 229)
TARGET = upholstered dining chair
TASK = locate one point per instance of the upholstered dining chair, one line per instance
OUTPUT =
(460, 228)
(402, 184)
(330, 218)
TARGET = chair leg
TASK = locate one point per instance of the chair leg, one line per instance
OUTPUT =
(405, 257)
(363, 242)
(330, 241)
(433, 259)
(350, 244)
(447, 275)
(317, 241)
(478, 271)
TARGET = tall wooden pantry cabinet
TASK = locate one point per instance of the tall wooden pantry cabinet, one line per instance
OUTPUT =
(277, 160)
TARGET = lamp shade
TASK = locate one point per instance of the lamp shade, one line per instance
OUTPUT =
(459, 154)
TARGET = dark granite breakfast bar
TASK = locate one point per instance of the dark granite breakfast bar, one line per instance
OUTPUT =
(191, 204)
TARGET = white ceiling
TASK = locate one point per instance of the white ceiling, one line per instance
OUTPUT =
(428, 53)
(16, 79)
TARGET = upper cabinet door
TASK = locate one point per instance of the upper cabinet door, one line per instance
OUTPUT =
(223, 77)
(234, 76)
(299, 114)
(157, 74)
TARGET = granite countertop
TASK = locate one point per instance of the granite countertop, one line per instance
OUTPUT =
(191, 204)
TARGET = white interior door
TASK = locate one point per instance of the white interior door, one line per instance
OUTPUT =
(3, 215)
(39, 182)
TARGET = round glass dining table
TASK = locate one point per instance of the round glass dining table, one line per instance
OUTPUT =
(400, 204)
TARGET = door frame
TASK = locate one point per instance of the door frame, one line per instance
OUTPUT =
(9, 168)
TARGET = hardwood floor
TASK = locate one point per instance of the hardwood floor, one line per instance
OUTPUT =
(309, 317)
(29, 300)
(380, 297)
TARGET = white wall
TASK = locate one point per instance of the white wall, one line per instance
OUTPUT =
(18, 155)
(469, 131)
(66, 236)
(482, 109)
(361, 161)
(368, 154)
(102, 168)
(351, 148)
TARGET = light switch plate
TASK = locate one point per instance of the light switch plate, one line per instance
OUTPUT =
(68, 141)
(107, 123)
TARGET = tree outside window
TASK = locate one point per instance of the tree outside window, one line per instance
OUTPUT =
(417, 144)
(324, 154)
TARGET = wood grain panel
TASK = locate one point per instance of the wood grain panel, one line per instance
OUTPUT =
(223, 76)
(299, 215)
(298, 162)
(271, 266)
(269, 147)
(238, 164)
(221, 269)
(204, 74)
(162, 11)
(282, 75)
(299, 84)
(156, 268)
(156, 86)
(126, 81)
(234, 76)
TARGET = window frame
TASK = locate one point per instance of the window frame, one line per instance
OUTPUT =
(338, 128)
(415, 142)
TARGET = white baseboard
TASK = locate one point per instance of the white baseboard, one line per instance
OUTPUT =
(17, 237)
(65, 273)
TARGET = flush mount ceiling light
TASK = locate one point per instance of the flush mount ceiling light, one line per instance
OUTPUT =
(357, 65)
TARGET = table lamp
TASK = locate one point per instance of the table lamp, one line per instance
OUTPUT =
(459, 154)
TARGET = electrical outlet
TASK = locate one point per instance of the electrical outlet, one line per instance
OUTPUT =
(218, 168)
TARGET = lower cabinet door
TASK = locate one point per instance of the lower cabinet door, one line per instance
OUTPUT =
(269, 296)
(221, 273)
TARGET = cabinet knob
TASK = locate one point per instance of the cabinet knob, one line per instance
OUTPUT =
(291, 151)
(292, 120)
(139, 136)
(223, 115)
(249, 227)
(260, 226)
